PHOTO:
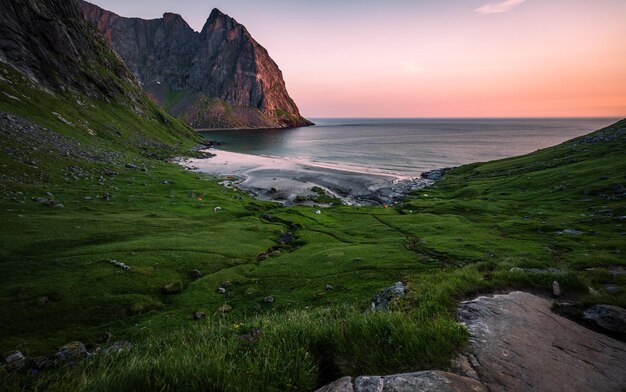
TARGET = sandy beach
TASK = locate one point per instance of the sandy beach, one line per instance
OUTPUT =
(284, 179)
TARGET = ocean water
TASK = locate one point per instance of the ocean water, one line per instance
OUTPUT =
(406, 147)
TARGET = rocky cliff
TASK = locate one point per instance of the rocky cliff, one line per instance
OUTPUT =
(217, 78)
(49, 42)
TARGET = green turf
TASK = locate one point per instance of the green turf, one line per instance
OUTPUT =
(448, 242)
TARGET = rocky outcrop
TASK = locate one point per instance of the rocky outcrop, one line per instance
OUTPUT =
(518, 344)
(217, 78)
(428, 381)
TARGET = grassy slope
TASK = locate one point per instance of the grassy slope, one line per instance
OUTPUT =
(461, 239)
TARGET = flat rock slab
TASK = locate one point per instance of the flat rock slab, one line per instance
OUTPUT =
(427, 381)
(520, 345)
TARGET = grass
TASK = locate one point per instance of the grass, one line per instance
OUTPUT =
(460, 239)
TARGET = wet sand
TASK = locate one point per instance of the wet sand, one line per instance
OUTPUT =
(284, 179)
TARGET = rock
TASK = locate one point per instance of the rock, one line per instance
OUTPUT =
(611, 318)
(520, 345)
(435, 175)
(196, 274)
(268, 300)
(130, 166)
(222, 310)
(267, 217)
(318, 212)
(342, 385)
(106, 196)
(119, 264)
(41, 363)
(381, 301)
(571, 232)
(329, 287)
(461, 365)
(516, 269)
(41, 200)
(43, 300)
(425, 381)
(612, 288)
(286, 238)
(221, 290)
(15, 360)
(199, 315)
(221, 66)
(72, 351)
(217, 209)
(556, 289)
(119, 347)
(369, 384)
(172, 288)
(58, 205)
(431, 381)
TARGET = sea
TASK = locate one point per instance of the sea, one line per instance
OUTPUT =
(405, 147)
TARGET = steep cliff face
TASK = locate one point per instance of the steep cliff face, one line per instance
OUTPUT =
(50, 43)
(219, 77)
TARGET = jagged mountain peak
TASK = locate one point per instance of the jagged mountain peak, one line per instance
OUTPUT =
(220, 77)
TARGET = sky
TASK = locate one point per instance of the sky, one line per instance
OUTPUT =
(433, 58)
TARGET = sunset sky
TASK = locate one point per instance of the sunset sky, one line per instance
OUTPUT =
(433, 58)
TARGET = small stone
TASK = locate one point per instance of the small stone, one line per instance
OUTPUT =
(516, 269)
(268, 300)
(119, 347)
(73, 350)
(43, 300)
(221, 290)
(222, 310)
(199, 315)
(556, 289)
(329, 287)
(196, 274)
(58, 205)
(318, 212)
(172, 288)
(15, 360)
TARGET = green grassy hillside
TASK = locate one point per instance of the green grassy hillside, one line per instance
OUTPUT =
(560, 209)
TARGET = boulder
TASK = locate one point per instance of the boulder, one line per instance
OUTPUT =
(381, 301)
(369, 384)
(425, 381)
(520, 345)
(342, 385)
(431, 381)
(611, 318)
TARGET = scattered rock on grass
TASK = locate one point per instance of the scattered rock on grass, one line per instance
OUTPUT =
(425, 381)
(556, 289)
(611, 318)
(196, 274)
(119, 264)
(172, 288)
(381, 301)
(121, 346)
(199, 315)
(222, 310)
(15, 360)
(72, 351)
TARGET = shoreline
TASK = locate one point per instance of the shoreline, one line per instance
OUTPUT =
(292, 181)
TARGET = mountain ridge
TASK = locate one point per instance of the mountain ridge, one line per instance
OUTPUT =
(219, 77)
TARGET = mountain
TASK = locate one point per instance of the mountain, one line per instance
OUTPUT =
(67, 100)
(217, 78)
